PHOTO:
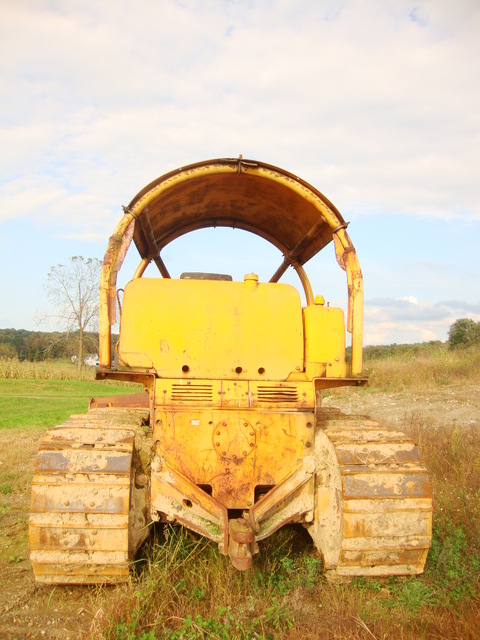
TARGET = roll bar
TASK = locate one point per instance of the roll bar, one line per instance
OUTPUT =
(236, 193)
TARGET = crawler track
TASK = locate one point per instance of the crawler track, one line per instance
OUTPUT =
(387, 504)
(81, 512)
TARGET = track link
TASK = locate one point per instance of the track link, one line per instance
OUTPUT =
(387, 503)
(81, 511)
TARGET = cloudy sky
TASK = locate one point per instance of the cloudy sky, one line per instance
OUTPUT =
(374, 102)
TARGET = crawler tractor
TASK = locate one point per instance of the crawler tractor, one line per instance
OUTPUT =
(228, 438)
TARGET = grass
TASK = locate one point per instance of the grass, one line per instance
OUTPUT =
(425, 368)
(184, 589)
(40, 400)
(187, 590)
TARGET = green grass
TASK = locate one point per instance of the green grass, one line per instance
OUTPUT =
(62, 388)
(42, 403)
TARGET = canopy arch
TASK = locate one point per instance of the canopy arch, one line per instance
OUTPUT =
(237, 193)
(246, 194)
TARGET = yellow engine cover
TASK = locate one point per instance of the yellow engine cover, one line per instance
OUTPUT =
(212, 329)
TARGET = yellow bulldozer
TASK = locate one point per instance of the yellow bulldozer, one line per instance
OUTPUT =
(228, 438)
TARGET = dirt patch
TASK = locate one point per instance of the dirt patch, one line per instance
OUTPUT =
(452, 405)
(28, 611)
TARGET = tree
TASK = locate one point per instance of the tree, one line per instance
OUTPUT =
(7, 350)
(464, 332)
(73, 290)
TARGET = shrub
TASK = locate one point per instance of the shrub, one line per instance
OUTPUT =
(464, 333)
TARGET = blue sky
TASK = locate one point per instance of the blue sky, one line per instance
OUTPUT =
(377, 104)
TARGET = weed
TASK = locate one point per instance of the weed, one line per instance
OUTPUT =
(187, 589)
(312, 570)
(15, 559)
(199, 627)
(128, 632)
(413, 594)
(456, 442)
(454, 566)
(197, 593)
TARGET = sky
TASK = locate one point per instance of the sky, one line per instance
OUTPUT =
(375, 103)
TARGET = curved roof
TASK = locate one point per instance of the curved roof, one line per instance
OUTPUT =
(233, 192)
(237, 193)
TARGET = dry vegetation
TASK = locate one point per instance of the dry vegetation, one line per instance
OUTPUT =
(15, 369)
(185, 589)
(422, 367)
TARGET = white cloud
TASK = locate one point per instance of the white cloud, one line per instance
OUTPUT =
(410, 299)
(408, 320)
(378, 99)
(376, 104)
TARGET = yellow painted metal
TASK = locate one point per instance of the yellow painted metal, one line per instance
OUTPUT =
(254, 196)
(234, 394)
(324, 342)
(233, 452)
(211, 329)
(348, 260)
(181, 500)
(140, 270)
(86, 522)
(118, 246)
(237, 444)
(290, 500)
(377, 497)
(307, 287)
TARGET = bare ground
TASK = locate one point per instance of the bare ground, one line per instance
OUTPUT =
(28, 611)
(454, 404)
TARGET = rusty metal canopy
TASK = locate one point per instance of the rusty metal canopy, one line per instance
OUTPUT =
(237, 193)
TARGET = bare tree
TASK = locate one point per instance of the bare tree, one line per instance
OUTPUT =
(73, 290)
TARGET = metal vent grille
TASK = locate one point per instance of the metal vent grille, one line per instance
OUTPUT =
(277, 394)
(192, 393)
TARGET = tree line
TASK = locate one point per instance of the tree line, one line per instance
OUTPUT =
(43, 345)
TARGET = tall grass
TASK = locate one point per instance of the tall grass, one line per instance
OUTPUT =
(452, 456)
(427, 370)
(187, 589)
(44, 370)
(392, 368)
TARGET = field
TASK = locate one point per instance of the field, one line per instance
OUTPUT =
(184, 589)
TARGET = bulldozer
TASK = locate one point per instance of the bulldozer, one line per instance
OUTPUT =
(228, 437)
